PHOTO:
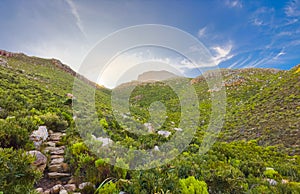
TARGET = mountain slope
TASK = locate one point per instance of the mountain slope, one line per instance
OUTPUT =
(260, 130)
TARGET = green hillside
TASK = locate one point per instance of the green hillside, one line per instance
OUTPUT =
(258, 144)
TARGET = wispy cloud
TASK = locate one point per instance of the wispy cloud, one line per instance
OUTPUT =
(234, 3)
(76, 16)
(279, 54)
(263, 17)
(202, 32)
(292, 9)
(222, 53)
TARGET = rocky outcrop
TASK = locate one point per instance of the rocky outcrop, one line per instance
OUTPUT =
(6, 53)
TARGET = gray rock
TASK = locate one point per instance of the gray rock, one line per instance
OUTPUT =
(39, 136)
(40, 160)
(272, 182)
(70, 187)
(56, 188)
(164, 133)
(85, 184)
(156, 148)
(63, 191)
(178, 129)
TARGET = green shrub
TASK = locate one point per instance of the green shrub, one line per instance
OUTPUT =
(54, 122)
(12, 135)
(191, 185)
(108, 188)
(16, 173)
(78, 148)
(271, 173)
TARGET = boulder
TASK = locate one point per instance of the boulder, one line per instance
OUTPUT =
(39, 136)
(40, 160)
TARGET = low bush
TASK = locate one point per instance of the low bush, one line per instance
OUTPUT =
(16, 173)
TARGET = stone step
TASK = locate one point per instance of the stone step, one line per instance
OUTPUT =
(62, 167)
(51, 143)
(57, 175)
(57, 161)
(56, 156)
(57, 152)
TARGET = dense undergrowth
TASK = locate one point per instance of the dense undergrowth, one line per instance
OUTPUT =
(257, 147)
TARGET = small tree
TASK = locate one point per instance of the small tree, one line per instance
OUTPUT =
(191, 185)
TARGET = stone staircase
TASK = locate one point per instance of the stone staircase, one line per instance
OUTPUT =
(57, 179)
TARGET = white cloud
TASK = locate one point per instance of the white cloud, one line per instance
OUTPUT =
(234, 3)
(202, 32)
(126, 67)
(257, 22)
(76, 16)
(222, 53)
(292, 9)
(280, 54)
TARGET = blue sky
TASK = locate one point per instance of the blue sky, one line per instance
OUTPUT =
(238, 33)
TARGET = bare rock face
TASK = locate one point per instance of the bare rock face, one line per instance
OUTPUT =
(41, 160)
(39, 136)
